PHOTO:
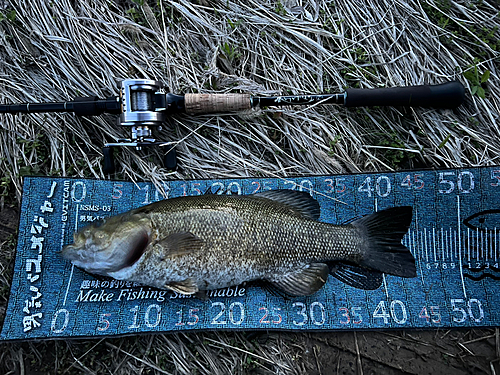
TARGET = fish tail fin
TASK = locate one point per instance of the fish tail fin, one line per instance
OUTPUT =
(382, 249)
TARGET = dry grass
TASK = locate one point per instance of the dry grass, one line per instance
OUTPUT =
(54, 51)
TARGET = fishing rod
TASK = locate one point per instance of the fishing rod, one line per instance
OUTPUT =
(143, 106)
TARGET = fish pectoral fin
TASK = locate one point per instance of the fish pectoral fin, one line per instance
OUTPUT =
(187, 286)
(305, 281)
(181, 243)
(357, 277)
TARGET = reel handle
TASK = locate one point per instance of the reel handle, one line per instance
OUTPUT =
(170, 158)
(109, 161)
(446, 95)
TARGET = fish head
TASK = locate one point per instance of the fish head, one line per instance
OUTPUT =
(109, 245)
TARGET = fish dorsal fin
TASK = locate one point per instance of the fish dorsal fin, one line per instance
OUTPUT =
(181, 243)
(187, 286)
(357, 277)
(299, 201)
(305, 281)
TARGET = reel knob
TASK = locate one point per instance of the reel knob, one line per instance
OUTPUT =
(170, 158)
(109, 161)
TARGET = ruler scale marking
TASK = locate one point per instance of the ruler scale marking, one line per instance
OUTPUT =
(456, 246)
(468, 245)
(482, 247)
(459, 222)
(490, 245)
(479, 249)
(434, 244)
(424, 240)
(72, 266)
(443, 248)
(464, 246)
(452, 256)
(413, 246)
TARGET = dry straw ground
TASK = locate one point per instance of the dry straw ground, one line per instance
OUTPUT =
(56, 50)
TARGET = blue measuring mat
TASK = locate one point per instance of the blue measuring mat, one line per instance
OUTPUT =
(454, 237)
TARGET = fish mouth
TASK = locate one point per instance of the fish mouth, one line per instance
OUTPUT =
(119, 254)
(69, 252)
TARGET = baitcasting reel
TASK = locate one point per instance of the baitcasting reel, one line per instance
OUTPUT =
(143, 106)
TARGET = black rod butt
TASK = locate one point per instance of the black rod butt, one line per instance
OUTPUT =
(446, 95)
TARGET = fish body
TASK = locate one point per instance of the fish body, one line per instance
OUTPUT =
(193, 244)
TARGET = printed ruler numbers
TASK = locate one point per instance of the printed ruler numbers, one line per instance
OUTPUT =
(454, 238)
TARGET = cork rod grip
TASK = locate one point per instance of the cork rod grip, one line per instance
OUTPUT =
(211, 103)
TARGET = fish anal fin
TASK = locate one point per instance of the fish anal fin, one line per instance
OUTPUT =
(299, 201)
(181, 243)
(303, 282)
(187, 286)
(357, 277)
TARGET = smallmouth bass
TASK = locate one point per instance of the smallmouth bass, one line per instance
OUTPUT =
(193, 244)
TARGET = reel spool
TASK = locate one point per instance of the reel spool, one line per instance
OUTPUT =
(143, 108)
(142, 105)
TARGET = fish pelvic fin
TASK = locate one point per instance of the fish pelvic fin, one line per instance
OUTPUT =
(303, 282)
(181, 243)
(382, 249)
(187, 286)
